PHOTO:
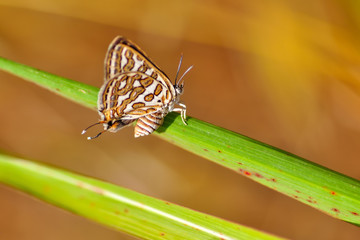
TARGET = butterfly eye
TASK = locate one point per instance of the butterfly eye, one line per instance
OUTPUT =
(179, 89)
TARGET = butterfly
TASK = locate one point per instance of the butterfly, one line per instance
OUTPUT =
(136, 89)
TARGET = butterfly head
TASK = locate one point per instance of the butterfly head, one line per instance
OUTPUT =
(179, 89)
(179, 85)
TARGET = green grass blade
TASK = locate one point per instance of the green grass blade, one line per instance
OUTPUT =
(81, 93)
(319, 187)
(117, 207)
(328, 191)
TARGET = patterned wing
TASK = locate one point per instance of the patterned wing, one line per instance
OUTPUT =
(132, 95)
(125, 56)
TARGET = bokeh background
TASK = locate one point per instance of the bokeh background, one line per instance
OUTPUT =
(283, 72)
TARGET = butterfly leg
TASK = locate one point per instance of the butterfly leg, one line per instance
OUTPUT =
(182, 111)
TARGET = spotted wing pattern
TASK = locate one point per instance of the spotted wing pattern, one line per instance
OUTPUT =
(125, 56)
(132, 95)
(134, 88)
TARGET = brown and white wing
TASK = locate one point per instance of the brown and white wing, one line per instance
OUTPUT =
(125, 56)
(132, 95)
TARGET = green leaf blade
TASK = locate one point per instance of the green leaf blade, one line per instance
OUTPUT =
(328, 191)
(116, 207)
(81, 93)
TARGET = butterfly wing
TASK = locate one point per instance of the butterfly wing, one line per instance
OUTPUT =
(132, 95)
(134, 88)
(125, 56)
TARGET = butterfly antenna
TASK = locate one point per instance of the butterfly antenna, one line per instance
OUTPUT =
(178, 70)
(185, 73)
(84, 131)
(90, 138)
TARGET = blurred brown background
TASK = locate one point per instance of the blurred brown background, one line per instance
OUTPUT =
(283, 72)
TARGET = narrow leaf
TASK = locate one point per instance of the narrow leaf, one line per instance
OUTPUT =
(117, 207)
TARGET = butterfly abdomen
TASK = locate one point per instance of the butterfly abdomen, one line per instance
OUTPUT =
(148, 124)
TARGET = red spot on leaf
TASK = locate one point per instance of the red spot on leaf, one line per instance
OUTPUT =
(297, 191)
(247, 173)
(258, 175)
(333, 193)
(335, 210)
(219, 151)
(167, 203)
(295, 196)
(272, 179)
(162, 234)
(206, 150)
(240, 163)
(355, 213)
